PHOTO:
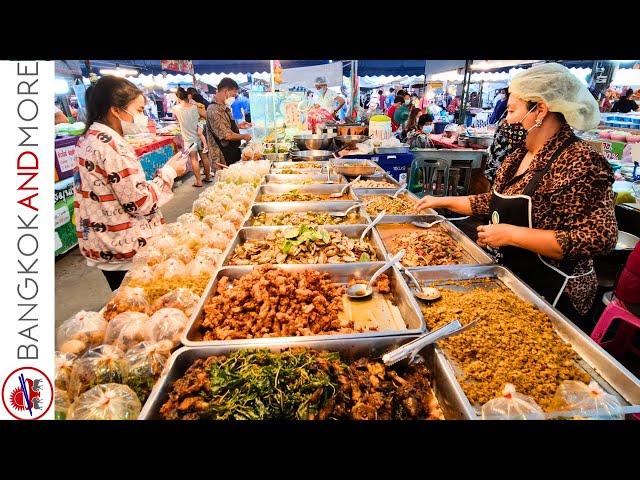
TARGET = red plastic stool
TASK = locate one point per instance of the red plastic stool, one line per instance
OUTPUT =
(623, 340)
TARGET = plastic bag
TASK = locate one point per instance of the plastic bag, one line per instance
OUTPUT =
(127, 299)
(212, 219)
(238, 206)
(216, 240)
(587, 401)
(226, 227)
(188, 218)
(61, 404)
(64, 367)
(204, 206)
(170, 268)
(103, 364)
(198, 266)
(148, 256)
(167, 324)
(83, 330)
(512, 405)
(181, 298)
(200, 229)
(127, 329)
(140, 274)
(147, 360)
(234, 217)
(106, 402)
(163, 242)
(182, 253)
(172, 229)
(210, 255)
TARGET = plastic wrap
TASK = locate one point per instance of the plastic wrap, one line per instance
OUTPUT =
(127, 299)
(211, 220)
(587, 401)
(182, 253)
(64, 367)
(181, 298)
(512, 405)
(188, 218)
(106, 402)
(146, 362)
(169, 269)
(148, 256)
(80, 332)
(103, 364)
(172, 229)
(199, 266)
(226, 227)
(127, 330)
(140, 274)
(216, 240)
(234, 217)
(61, 404)
(167, 324)
(204, 206)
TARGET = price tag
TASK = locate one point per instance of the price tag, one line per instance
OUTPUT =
(58, 241)
(62, 216)
(66, 157)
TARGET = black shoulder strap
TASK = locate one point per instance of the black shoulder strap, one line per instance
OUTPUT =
(535, 181)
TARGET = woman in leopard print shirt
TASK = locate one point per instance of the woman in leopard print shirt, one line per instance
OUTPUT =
(552, 204)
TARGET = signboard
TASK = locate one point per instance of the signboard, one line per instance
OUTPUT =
(184, 66)
(65, 229)
(613, 150)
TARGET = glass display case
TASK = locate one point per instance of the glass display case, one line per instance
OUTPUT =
(276, 116)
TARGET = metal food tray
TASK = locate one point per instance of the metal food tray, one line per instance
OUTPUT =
(443, 384)
(362, 192)
(404, 148)
(474, 254)
(317, 189)
(289, 207)
(610, 374)
(291, 164)
(351, 231)
(299, 179)
(342, 273)
(379, 177)
(339, 165)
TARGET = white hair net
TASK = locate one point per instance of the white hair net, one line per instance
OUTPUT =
(321, 80)
(561, 90)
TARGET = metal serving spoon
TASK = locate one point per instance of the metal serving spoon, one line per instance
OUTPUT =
(428, 294)
(398, 192)
(346, 212)
(373, 224)
(360, 290)
(344, 189)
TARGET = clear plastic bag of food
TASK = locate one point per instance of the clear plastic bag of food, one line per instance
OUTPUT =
(110, 401)
(140, 274)
(182, 253)
(199, 266)
(188, 218)
(163, 242)
(200, 229)
(146, 362)
(80, 332)
(181, 298)
(210, 255)
(238, 206)
(203, 206)
(127, 329)
(212, 219)
(586, 401)
(234, 217)
(172, 229)
(167, 324)
(215, 240)
(148, 255)
(512, 405)
(227, 228)
(170, 268)
(64, 367)
(127, 299)
(61, 404)
(103, 364)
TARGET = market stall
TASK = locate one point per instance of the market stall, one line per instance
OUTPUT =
(253, 282)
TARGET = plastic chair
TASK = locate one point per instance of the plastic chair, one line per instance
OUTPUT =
(623, 340)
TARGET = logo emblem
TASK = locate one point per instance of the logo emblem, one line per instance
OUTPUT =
(103, 137)
(495, 217)
(114, 178)
(27, 393)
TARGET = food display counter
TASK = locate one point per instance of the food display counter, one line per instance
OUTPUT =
(270, 308)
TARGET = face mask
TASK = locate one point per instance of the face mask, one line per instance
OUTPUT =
(427, 128)
(515, 133)
(407, 102)
(321, 90)
(139, 124)
(229, 101)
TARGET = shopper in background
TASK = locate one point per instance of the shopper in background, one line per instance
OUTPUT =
(240, 109)
(625, 104)
(397, 101)
(401, 114)
(382, 98)
(419, 137)
(116, 208)
(196, 97)
(151, 109)
(327, 99)
(223, 134)
(411, 124)
(499, 110)
(187, 116)
(551, 208)
(474, 100)
(389, 100)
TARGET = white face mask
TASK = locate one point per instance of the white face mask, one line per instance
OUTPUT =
(229, 101)
(427, 128)
(139, 124)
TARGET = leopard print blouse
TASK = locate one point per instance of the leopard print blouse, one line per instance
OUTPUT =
(574, 198)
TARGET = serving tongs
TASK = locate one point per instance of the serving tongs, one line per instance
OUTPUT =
(410, 350)
(435, 222)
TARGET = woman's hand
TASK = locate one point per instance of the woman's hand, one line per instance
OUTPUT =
(428, 202)
(496, 235)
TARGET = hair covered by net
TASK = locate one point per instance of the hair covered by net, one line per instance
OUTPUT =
(561, 90)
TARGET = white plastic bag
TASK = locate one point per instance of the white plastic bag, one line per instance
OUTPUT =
(167, 324)
(106, 402)
(170, 268)
(127, 330)
(80, 332)
(512, 405)
(181, 298)
(64, 367)
(234, 217)
(587, 401)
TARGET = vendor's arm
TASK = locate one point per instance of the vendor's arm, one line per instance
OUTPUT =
(341, 102)
(535, 240)
(462, 205)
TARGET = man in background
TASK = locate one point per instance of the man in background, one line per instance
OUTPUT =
(625, 104)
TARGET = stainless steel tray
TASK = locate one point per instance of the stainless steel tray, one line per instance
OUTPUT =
(342, 273)
(388, 150)
(300, 179)
(318, 189)
(380, 177)
(279, 165)
(362, 192)
(289, 207)
(474, 254)
(373, 347)
(351, 231)
(612, 376)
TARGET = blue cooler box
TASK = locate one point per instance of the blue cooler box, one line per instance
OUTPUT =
(397, 165)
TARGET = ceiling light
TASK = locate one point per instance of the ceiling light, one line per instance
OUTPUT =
(61, 86)
(119, 72)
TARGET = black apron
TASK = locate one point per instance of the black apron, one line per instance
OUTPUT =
(546, 279)
(231, 152)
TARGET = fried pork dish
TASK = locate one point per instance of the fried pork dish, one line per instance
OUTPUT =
(373, 184)
(298, 196)
(269, 302)
(299, 218)
(513, 342)
(402, 205)
(299, 384)
(432, 246)
(303, 244)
